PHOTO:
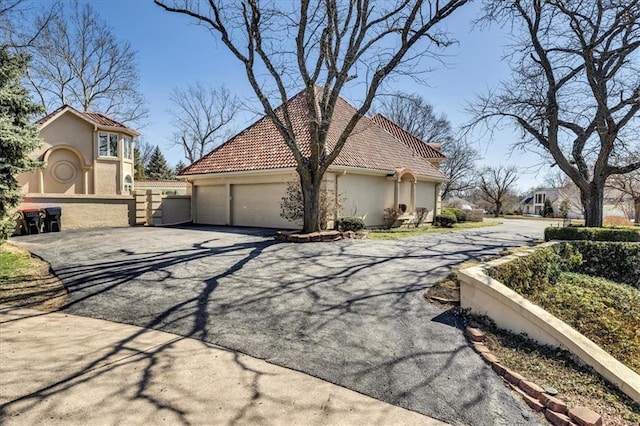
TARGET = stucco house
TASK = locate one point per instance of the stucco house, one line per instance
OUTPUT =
(82, 153)
(242, 182)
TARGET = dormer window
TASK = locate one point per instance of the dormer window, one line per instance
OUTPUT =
(107, 144)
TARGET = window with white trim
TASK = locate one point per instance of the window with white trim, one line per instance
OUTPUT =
(127, 147)
(128, 184)
(107, 144)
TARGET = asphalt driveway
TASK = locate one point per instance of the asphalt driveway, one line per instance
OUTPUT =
(349, 312)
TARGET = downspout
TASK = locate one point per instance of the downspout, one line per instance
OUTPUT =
(336, 197)
(95, 157)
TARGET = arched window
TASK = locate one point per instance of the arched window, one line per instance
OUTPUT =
(128, 184)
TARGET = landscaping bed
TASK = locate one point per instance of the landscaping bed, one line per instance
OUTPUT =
(603, 304)
(548, 366)
(27, 281)
(395, 233)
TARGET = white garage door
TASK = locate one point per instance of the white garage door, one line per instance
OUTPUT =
(211, 205)
(258, 205)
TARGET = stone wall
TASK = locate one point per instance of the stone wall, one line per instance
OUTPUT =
(86, 211)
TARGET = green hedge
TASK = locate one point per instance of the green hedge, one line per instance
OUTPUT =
(351, 223)
(461, 215)
(619, 262)
(615, 261)
(572, 233)
(528, 274)
(446, 219)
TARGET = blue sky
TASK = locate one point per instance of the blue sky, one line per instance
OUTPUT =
(173, 51)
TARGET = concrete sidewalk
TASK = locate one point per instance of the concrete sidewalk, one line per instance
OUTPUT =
(63, 369)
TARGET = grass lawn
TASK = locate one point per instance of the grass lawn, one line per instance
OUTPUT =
(395, 233)
(27, 281)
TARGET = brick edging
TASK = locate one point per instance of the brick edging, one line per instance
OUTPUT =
(555, 410)
(295, 237)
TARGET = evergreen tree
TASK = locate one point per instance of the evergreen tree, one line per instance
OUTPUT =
(138, 166)
(547, 210)
(158, 169)
(179, 167)
(18, 136)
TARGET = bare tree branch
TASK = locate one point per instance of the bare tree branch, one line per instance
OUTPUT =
(78, 60)
(330, 46)
(201, 117)
(575, 90)
(497, 185)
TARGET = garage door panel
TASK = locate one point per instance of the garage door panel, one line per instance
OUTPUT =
(258, 205)
(211, 205)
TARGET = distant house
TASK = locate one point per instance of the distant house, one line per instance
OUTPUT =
(242, 182)
(568, 198)
(81, 153)
(166, 187)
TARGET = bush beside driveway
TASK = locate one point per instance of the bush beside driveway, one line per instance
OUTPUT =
(349, 312)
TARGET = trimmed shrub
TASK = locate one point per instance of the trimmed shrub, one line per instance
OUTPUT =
(615, 261)
(351, 223)
(446, 219)
(528, 274)
(572, 233)
(390, 216)
(461, 215)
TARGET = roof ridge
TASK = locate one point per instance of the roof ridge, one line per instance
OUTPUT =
(243, 132)
(385, 122)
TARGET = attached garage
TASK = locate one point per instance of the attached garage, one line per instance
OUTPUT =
(211, 205)
(242, 181)
(258, 205)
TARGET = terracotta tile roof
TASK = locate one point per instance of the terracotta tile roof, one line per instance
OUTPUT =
(413, 142)
(261, 147)
(94, 117)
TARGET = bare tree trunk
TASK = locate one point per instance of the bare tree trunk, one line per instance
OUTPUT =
(310, 183)
(593, 202)
(498, 208)
(636, 205)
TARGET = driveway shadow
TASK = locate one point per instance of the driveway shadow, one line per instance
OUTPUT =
(349, 312)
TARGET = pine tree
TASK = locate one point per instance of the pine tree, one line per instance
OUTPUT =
(18, 136)
(179, 167)
(138, 166)
(158, 169)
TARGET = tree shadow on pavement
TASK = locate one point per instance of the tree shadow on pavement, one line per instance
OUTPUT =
(350, 313)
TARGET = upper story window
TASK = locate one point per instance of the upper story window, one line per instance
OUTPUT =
(540, 198)
(107, 144)
(127, 147)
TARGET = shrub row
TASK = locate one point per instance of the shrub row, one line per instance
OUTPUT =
(592, 234)
(449, 217)
(461, 215)
(350, 223)
(615, 261)
(528, 274)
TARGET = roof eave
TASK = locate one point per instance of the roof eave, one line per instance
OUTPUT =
(96, 125)
(237, 173)
(378, 172)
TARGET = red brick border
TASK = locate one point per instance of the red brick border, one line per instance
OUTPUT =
(555, 410)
